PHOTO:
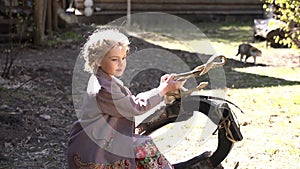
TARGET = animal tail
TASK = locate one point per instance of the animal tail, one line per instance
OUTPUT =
(239, 51)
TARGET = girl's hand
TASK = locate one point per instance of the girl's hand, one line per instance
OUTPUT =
(167, 84)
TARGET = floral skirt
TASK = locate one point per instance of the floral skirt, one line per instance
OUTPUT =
(147, 157)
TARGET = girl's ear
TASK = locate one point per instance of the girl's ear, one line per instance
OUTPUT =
(98, 62)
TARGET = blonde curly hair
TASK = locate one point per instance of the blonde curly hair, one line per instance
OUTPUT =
(99, 44)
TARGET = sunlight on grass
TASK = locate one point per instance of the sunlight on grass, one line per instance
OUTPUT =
(229, 48)
(203, 46)
(272, 115)
(287, 73)
(267, 104)
(282, 99)
(222, 38)
(170, 44)
(226, 32)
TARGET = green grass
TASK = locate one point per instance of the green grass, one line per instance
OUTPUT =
(270, 99)
(64, 37)
(223, 37)
(287, 73)
(187, 37)
(225, 32)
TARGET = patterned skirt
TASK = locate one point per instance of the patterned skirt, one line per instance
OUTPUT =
(147, 157)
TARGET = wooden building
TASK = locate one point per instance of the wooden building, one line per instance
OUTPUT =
(16, 15)
(198, 8)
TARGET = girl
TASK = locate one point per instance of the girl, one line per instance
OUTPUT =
(103, 136)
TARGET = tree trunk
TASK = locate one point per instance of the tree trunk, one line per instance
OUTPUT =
(54, 15)
(39, 19)
(49, 16)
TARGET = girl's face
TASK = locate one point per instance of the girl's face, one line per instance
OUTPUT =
(114, 62)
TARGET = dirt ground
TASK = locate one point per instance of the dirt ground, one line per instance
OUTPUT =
(36, 109)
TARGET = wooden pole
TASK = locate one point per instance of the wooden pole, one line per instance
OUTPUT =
(128, 13)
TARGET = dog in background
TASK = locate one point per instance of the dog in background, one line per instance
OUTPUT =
(248, 50)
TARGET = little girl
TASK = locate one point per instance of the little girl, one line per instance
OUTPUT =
(103, 136)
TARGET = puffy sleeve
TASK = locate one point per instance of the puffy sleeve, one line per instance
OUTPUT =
(118, 101)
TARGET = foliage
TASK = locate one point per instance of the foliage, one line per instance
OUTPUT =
(19, 22)
(287, 11)
(63, 38)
